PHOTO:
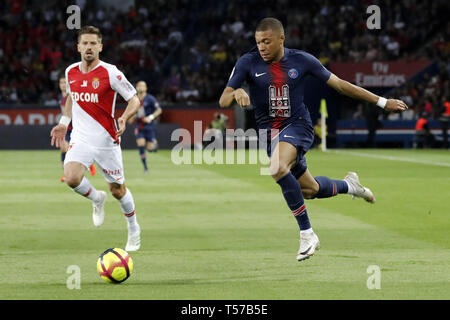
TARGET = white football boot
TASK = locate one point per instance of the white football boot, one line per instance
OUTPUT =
(98, 214)
(134, 240)
(309, 243)
(359, 191)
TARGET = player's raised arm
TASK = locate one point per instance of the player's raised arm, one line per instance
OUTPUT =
(58, 132)
(353, 91)
(230, 94)
(131, 109)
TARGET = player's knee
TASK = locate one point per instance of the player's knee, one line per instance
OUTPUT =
(117, 191)
(279, 171)
(151, 146)
(140, 144)
(72, 180)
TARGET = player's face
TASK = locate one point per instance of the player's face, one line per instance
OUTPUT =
(62, 85)
(141, 87)
(270, 45)
(89, 46)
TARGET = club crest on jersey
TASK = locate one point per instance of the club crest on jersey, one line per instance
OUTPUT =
(293, 73)
(280, 105)
(95, 83)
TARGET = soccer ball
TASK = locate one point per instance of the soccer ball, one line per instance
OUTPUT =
(114, 265)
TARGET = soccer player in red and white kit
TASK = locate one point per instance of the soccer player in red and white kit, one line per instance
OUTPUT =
(92, 87)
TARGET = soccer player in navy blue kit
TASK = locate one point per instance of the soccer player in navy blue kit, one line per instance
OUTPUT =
(145, 131)
(276, 77)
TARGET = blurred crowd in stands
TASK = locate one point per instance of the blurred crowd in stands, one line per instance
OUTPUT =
(429, 97)
(186, 49)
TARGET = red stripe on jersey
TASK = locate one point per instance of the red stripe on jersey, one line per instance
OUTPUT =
(101, 102)
(278, 80)
(278, 76)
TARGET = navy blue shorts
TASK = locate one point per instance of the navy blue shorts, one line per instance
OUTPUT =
(148, 134)
(301, 135)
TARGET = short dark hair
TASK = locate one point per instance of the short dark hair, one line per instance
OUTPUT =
(270, 24)
(90, 30)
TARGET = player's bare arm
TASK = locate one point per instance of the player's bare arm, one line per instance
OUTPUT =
(230, 94)
(132, 119)
(153, 116)
(132, 108)
(58, 132)
(353, 91)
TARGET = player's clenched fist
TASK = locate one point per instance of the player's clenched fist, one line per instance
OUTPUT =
(241, 97)
(394, 105)
(58, 134)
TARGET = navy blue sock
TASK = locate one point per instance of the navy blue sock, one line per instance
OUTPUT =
(143, 157)
(293, 195)
(329, 188)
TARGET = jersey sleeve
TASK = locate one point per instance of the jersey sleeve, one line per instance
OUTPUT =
(153, 105)
(239, 73)
(120, 84)
(156, 105)
(316, 68)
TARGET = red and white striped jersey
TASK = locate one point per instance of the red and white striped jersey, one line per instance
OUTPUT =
(93, 102)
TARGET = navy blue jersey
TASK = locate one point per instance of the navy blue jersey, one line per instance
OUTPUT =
(148, 105)
(277, 89)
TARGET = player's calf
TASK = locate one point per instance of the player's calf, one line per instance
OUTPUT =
(134, 231)
(85, 189)
(310, 191)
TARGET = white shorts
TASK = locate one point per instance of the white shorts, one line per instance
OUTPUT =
(109, 160)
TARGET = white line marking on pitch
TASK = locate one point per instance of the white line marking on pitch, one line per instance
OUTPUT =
(369, 155)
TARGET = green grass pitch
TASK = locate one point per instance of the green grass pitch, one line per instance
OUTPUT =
(225, 232)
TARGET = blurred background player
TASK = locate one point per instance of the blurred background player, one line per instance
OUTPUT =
(277, 75)
(92, 87)
(145, 130)
(65, 145)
